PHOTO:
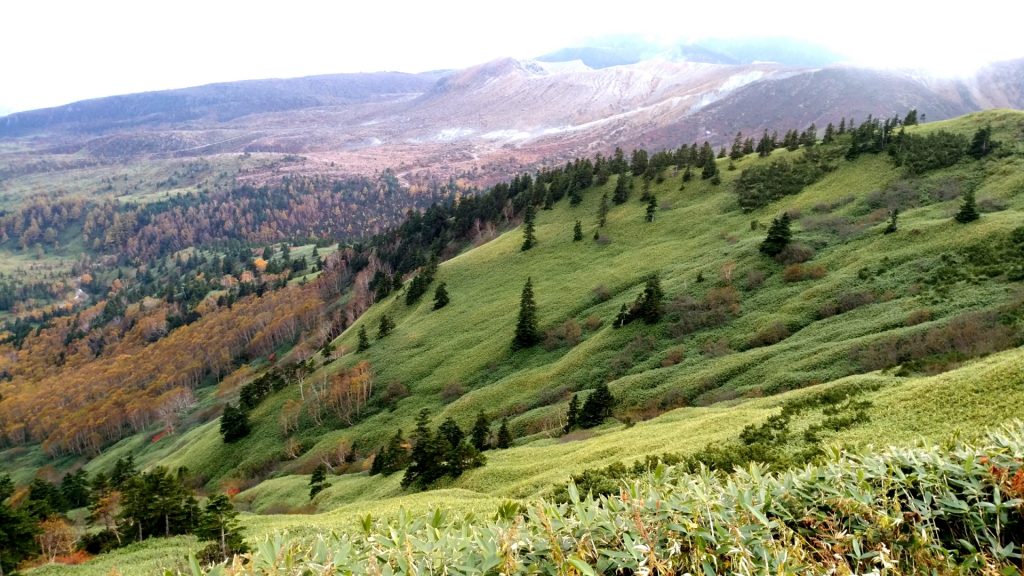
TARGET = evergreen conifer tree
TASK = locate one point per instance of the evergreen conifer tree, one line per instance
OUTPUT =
(234, 423)
(830, 134)
(710, 169)
(577, 231)
(318, 480)
(504, 436)
(575, 195)
(219, 523)
(764, 145)
(385, 327)
(981, 143)
(648, 306)
(602, 211)
(450, 431)
(529, 240)
(440, 296)
(527, 333)
(481, 432)
(779, 235)
(791, 140)
(736, 152)
(364, 341)
(17, 531)
(621, 193)
(426, 457)
(652, 207)
(573, 415)
(597, 406)
(392, 457)
(810, 136)
(968, 209)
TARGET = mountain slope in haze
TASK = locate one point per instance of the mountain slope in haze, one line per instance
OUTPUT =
(215, 103)
(484, 120)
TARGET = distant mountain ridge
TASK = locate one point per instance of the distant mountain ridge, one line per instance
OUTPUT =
(483, 120)
(219, 102)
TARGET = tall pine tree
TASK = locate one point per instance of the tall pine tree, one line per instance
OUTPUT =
(621, 193)
(527, 333)
(968, 209)
(504, 439)
(652, 207)
(602, 211)
(710, 169)
(481, 432)
(573, 415)
(529, 239)
(386, 326)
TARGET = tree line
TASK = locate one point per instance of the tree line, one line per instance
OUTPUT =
(124, 505)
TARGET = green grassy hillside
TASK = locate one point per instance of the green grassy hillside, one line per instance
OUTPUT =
(457, 361)
(787, 330)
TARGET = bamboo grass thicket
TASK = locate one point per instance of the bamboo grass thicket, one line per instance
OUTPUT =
(957, 507)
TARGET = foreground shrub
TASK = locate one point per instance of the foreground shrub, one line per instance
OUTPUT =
(921, 510)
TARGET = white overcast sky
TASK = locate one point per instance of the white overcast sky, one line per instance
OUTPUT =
(53, 52)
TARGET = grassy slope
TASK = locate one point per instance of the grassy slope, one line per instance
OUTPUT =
(982, 393)
(467, 342)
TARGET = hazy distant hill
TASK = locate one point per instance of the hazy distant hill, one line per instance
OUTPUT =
(215, 103)
(479, 121)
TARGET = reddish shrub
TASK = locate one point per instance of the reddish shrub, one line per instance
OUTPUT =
(673, 357)
(795, 254)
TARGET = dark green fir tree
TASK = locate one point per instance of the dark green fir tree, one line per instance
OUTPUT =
(481, 432)
(386, 326)
(710, 169)
(778, 236)
(621, 193)
(318, 480)
(573, 415)
(597, 407)
(527, 333)
(968, 209)
(234, 423)
(441, 298)
(529, 239)
(577, 231)
(504, 439)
